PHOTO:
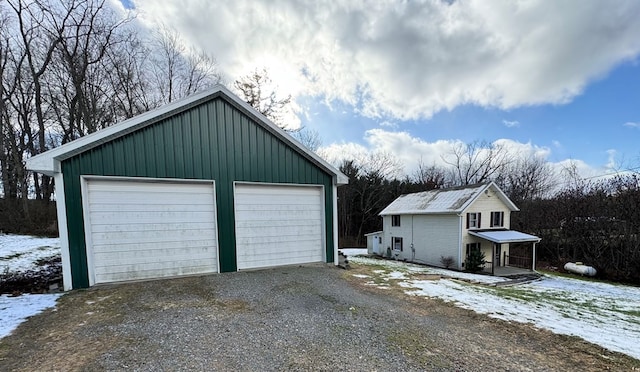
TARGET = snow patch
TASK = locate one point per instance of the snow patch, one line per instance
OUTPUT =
(15, 310)
(18, 253)
(413, 268)
(361, 276)
(604, 314)
(349, 252)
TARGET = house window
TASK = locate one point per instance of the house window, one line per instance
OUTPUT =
(379, 240)
(473, 220)
(395, 220)
(497, 219)
(397, 244)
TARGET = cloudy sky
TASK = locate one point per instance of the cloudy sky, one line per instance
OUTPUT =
(558, 78)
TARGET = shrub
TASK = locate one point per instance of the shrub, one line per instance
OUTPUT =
(447, 262)
(475, 261)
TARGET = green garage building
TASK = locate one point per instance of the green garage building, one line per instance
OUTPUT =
(202, 185)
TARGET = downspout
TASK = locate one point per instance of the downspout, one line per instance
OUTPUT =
(533, 257)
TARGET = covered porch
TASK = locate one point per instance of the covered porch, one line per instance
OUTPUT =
(502, 262)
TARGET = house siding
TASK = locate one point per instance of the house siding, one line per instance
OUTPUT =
(433, 236)
(213, 140)
(485, 204)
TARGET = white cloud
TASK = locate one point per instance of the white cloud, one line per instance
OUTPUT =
(511, 123)
(410, 151)
(631, 124)
(524, 150)
(388, 124)
(409, 60)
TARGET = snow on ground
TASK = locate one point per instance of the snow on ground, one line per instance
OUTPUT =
(15, 310)
(604, 314)
(353, 253)
(19, 253)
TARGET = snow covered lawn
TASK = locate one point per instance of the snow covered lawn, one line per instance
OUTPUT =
(19, 253)
(604, 314)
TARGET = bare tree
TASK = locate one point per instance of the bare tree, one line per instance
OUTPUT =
(476, 162)
(308, 138)
(36, 48)
(80, 57)
(258, 91)
(128, 83)
(527, 178)
(177, 70)
(430, 177)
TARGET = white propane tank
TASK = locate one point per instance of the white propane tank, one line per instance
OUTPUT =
(580, 268)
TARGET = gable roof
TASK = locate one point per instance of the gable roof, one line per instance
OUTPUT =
(444, 201)
(49, 162)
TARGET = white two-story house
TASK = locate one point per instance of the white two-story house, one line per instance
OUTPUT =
(433, 226)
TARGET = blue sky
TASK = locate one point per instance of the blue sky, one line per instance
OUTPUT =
(605, 117)
(559, 79)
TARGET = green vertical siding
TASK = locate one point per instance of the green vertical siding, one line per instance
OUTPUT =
(213, 140)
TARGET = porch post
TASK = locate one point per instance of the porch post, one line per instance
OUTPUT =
(493, 259)
(533, 258)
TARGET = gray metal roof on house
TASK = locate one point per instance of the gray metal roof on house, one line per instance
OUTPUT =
(452, 200)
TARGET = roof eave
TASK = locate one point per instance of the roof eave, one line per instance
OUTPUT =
(417, 213)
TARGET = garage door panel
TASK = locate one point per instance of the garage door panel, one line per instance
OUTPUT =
(155, 187)
(271, 261)
(265, 223)
(152, 251)
(143, 217)
(141, 230)
(270, 202)
(290, 249)
(123, 273)
(136, 207)
(292, 229)
(285, 217)
(196, 257)
(151, 237)
(278, 239)
(278, 225)
(180, 198)
(106, 228)
(252, 194)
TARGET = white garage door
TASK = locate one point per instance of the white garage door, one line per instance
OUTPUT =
(142, 230)
(278, 225)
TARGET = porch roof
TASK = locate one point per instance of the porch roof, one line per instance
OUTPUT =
(505, 236)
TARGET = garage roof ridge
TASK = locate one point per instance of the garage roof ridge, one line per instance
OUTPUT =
(48, 162)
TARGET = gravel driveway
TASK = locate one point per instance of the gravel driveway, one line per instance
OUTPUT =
(294, 318)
